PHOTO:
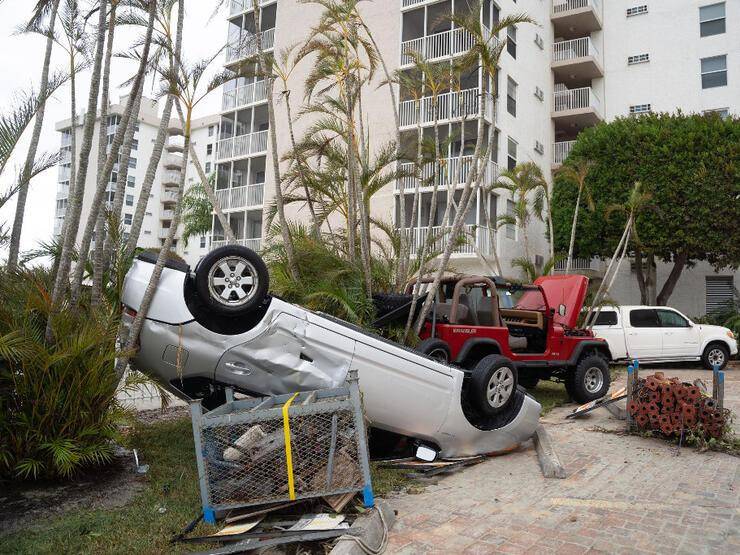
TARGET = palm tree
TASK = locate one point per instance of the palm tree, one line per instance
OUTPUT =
(197, 209)
(104, 176)
(531, 272)
(484, 55)
(527, 187)
(263, 64)
(15, 239)
(576, 171)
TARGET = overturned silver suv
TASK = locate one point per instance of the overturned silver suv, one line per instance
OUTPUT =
(217, 326)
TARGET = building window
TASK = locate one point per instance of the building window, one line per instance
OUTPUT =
(640, 109)
(723, 113)
(637, 10)
(712, 19)
(511, 227)
(129, 200)
(208, 168)
(720, 293)
(209, 149)
(511, 41)
(130, 181)
(713, 72)
(511, 96)
(638, 59)
(127, 219)
(511, 159)
(539, 41)
(202, 241)
(132, 163)
(134, 144)
(211, 130)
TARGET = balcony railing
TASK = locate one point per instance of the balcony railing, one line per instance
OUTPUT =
(166, 214)
(472, 235)
(163, 233)
(239, 6)
(169, 196)
(561, 151)
(171, 177)
(560, 7)
(64, 173)
(573, 49)
(441, 45)
(173, 161)
(243, 145)
(65, 157)
(450, 172)
(253, 243)
(240, 197)
(575, 99)
(244, 95)
(449, 106)
(248, 46)
(577, 264)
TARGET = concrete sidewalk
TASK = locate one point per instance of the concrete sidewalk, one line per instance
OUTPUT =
(623, 494)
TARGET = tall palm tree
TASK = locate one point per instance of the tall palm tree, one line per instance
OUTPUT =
(576, 171)
(484, 55)
(52, 6)
(527, 186)
(103, 177)
(270, 84)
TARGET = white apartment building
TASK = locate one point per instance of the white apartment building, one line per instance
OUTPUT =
(161, 204)
(585, 62)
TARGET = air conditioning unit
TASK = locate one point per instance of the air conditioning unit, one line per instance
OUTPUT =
(538, 41)
(539, 147)
(539, 93)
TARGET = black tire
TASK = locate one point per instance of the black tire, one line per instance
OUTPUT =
(435, 348)
(213, 281)
(528, 379)
(715, 353)
(589, 380)
(493, 384)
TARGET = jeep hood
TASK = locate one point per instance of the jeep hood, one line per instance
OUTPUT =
(569, 291)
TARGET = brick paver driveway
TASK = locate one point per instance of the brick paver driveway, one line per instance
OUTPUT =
(623, 494)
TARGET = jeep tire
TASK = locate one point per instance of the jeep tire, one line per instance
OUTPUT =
(435, 348)
(493, 384)
(589, 380)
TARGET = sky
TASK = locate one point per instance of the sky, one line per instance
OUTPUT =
(20, 66)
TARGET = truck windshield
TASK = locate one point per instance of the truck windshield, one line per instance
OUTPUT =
(526, 298)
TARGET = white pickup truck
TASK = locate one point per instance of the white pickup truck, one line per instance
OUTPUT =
(663, 334)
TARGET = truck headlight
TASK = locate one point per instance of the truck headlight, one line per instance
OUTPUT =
(730, 334)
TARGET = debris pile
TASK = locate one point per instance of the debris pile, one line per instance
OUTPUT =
(669, 406)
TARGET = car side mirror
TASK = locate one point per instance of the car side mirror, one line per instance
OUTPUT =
(561, 309)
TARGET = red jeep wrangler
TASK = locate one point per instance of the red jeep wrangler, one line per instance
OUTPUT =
(532, 328)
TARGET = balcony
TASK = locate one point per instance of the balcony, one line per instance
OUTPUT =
(175, 144)
(576, 18)
(63, 191)
(451, 106)
(174, 128)
(451, 172)
(576, 108)
(438, 46)
(167, 214)
(576, 61)
(243, 145)
(244, 96)
(163, 233)
(472, 236)
(561, 151)
(169, 196)
(240, 6)
(171, 178)
(254, 243)
(64, 173)
(65, 156)
(173, 162)
(247, 46)
(247, 196)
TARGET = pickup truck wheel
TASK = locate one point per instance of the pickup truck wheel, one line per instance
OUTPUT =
(493, 384)
(715, 354)
(232, 280)
(589, 380)
(435, 348)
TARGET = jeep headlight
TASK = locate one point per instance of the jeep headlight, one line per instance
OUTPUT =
(730, 334)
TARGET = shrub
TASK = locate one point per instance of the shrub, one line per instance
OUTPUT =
(58, 404)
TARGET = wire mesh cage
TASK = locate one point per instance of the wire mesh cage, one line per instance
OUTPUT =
(281, 448)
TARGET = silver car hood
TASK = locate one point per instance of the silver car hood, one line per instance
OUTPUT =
(168, 304)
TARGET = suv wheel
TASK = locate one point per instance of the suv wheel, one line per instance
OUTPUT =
(435, 348)
(589, 380)
(715, 354)
(493, 384)
(232, 280)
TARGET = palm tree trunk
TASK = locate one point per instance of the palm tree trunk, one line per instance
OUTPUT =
(74, 204)
(279, 202)
(73, 137)
(363, 208)
(112, 158)
(146, 301)
(569, 262)
(300, 164)
(405, 241)
(20, 208)
(230, 237)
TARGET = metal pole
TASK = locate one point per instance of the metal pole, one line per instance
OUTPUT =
(715, 382)
(354, 393)
(720, 390)
(630, 394)
(196, 413)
